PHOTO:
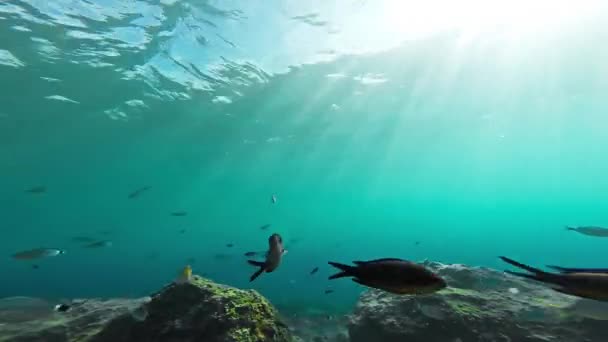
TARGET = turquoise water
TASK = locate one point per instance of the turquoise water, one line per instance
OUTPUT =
(380, 134)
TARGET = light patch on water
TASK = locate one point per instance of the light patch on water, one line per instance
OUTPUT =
(370, 79)
(21, 28)
(274, 140)
(50, 79)
(116, 114)
(514, 290)
(45, 48)
(131, 36)
(334, 107)
(136, 103)
(335, 75)
(84, 35)
(168, 2)
(221, 99)
(98, 64)
(8, 59)
(60, 98)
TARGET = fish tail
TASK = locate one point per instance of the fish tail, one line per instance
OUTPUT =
(537, 274)
(346, 271)
(256, 263)
(256, 274)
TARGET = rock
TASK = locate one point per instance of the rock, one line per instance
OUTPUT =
(84, 319)
(200, 311)
(480, 305)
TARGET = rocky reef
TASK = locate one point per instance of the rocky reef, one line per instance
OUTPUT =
(480, 305)
(199, 310)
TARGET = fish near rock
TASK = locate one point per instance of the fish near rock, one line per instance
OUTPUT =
(590, 230)
(273, 257)
(392, 275)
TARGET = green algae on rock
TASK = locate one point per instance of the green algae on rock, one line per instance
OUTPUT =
(200, 310)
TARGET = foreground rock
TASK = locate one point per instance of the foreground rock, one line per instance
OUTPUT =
(199, 311)
(480, 305)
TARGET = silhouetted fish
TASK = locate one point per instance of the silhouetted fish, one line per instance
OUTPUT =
(179, 213)
(590, 230)
(273, 257)
(266, 226)
(38, 253)
(182, 231)
(35, 266)
(229, 245)
(99, 244)
(391, 275)
(253, 254)
(40, 189)
(314, 270)
(591, 283)
(328, 291)
(139, 191)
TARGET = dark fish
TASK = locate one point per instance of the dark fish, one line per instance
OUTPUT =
(328, 291)
(99, 244)
(252, 254)
(62, 307)
(40, 189)
(222, 256)
(179, 213)
(391, 275)
(273, 257)
(417, 243)
(229, 245)
(591, 283)
(314, 270)
(37, 253)
(182, 231)
(83, 239)
(139, 191)
(590, 230)
(265, 227)
(35, 266)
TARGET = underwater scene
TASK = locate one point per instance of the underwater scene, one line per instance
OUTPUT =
(282, 170)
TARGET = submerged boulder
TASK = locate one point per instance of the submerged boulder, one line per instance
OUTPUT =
(480, 305)
(199, 310)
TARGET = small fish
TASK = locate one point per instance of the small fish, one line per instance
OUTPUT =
(222, 256)
(417, 243)
(83, 239)
(184, 276)
(179, 213)
(99, 244)
(274, 199)
(314, 270)
(253, 254)
(35, 266)
(62, 308)
(590, 283)
(328, 291)
(40, 189)
(273, 257)
(229, 245)
(182, 231)
(590, 230)
(139, 191)
(265, 227)
(38, 253)
(391, 275)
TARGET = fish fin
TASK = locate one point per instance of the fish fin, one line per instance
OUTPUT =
(522, 266)
(256, 263)
(537, 274)
(256, 274)
(347, 271)
(566, 270)
(572, 292)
